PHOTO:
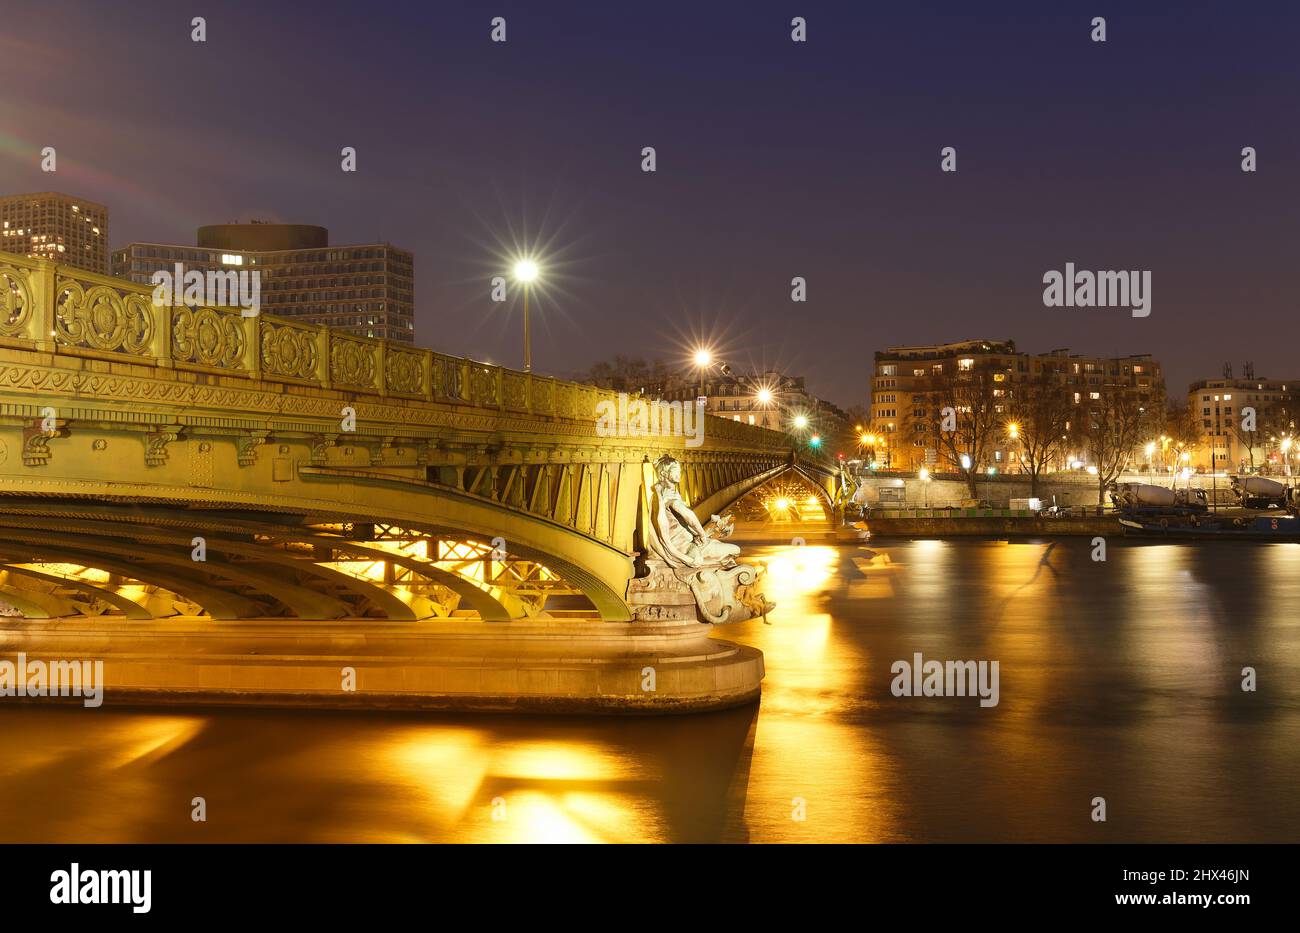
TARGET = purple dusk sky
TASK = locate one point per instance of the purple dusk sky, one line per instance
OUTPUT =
(775, 159)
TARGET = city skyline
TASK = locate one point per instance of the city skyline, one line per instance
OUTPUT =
(846, 188)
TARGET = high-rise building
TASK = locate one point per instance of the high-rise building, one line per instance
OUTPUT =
(905, 420)
(366, 289)
(1226, 444)
(50, 225)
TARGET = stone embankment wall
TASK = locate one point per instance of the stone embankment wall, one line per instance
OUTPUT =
(1069, 489)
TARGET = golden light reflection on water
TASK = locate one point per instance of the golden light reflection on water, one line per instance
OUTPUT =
(1116, 677)
(799, 569)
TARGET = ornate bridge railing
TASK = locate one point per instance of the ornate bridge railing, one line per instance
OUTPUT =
(67, 311)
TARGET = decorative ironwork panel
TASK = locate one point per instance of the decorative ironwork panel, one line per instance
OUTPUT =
(15, 300)
(483, 385)
(102, 318)
(514, 386)
(352, 362)
(543, 395)
(288, 350)
(208, 336)
(448, 377)
(404, 371)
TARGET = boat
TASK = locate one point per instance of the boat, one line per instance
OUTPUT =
(1275, 527)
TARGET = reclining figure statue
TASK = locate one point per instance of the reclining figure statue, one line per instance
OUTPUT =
(684, 553)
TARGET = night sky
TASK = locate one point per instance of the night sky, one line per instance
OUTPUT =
(775, 159)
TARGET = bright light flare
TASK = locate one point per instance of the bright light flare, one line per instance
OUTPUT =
(703, 357)
(526, 271)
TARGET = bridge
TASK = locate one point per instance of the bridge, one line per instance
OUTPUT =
(197, 465)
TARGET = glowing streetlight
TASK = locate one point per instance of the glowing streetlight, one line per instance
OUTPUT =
(526, 272)
(965, 461)
(801, 421)
(1013, 430)
(764, 396)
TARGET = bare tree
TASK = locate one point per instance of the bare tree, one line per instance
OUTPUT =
(856, 424)
(1111, 426)
(969, 414)
(1182, 427)
(1246, 432)
(1039, 411)
(1277, 421)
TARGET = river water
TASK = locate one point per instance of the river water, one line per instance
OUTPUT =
(1119, 679)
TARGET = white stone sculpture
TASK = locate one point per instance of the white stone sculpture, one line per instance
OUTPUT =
(687, 558)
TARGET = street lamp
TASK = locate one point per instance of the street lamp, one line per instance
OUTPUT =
(924, 476)
(526, 272)
(801, 421)
(703, 359)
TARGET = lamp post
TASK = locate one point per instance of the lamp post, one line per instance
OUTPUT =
(526, 272)
(703, 360)
(764, 398)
